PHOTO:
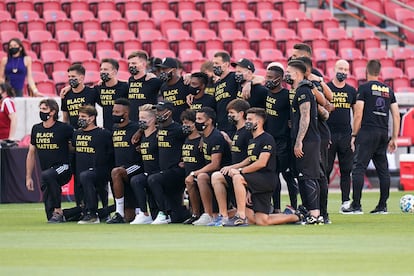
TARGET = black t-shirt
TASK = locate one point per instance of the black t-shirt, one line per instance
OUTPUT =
(93, 149)
(72, 101)
(215, 143)
(206, 100)
(378, 98)
(278, 113)
(192, 155)
(323, 128)
(176, 94)
(149, 152)
(258, 95)
(263, 143)
(304, 94)
(239, 145)
(170, 142)
(125, 152)
(210, 88)
(343, 99)
(107, 97)
(52, 144)
(226, 90)
(142, 92)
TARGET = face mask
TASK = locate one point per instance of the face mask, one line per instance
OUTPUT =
(142, 125)
(13, 51)
(200, 126)
(82, 123)
(73, 83)
(232, 120)
(250, 126)
(117, 119)
(186, 129)
(105, 77)
(218, 71)
(288, 79)
(44, 116)
(270, 85)
(162, 118)
(239, 78)
(341, 76)
(133, 70)
(165, 77)
(193, 90)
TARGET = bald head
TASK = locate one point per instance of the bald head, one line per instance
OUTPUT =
(342, 66)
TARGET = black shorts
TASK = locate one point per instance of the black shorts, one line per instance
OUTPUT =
(231, 197)
(308, 167)
(260, 182)
(261, 202)
(132, 170)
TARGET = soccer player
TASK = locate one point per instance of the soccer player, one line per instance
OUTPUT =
(339, 122)
(198, 84)
(370, 136)
(127, 162)
(94, 155)
(255, 177)
(50, 140)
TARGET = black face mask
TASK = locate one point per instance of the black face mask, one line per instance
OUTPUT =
(82, 123)
(44, 116)
(193, 90)
(341, 76)
(232, 120)
(13, 51)
(239, 78)
(105, 77)
(162, 118)
(118, 119)
(142, 125)
(249, 126)
(133, 70)
(288, 79)
(200, 126)
(73, 83)
(272, 84)
(165, 77)
(186, 129)
(218, 71)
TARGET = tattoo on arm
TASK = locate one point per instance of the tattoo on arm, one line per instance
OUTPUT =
(304, 120)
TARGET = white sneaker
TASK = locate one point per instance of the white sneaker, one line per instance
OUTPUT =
(141, 218)
(161, 219)
(345, 205)
(203, 220)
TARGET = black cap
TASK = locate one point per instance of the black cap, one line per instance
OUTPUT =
(168, 63)
(245, 63)
(164, 105)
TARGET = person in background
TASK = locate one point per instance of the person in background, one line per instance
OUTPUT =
(207, 68)
(8, 116)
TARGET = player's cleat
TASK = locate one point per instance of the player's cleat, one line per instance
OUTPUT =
(161, 218)
(352, 210)
(312, 220)
(89, 219)
(117, 218)
(320, 220)
(218, 221)
(236, 221)
(203, 220)
(380, 210)
(345, 205)
(326, 219)
(141, 218)
(191, 219)
(56, 218)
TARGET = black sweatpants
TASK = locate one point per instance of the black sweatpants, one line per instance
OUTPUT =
(143, 195)
(94, 185)
(323, 180)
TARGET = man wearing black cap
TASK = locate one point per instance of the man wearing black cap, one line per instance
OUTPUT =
(167, 186)
(173, 89)
(244, 74)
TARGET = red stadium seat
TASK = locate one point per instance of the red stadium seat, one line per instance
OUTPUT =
(313, 37)
(338, 38)
(392, 75)
(407, 89)
(323, 20)
(92, 77)
(231, 5)
(101, 54)
(130, 45)
(46, 5)
(187, 57)
(245, 20)
(47, 88)
(5, 37)
(285, 38)
(401, 54)
(231, 37)
(70, 40)
(180, 39)
(139, 20)
(160, 16)
(260, 39)
(259, 5)
(123, 75)
(84, 20)
(401, 14)
(56, 20)
(91, 65)
(354, 57)
(390, 8)
(360, 75)
(410, 73)
(380, 54)
(149, 37)
(283, 5)
(50, 58)
(74, 5)
(127, 5)
(205, 5)
(5, 15)
(39, 76)
(25, 18)
(365, 38)
(8, 24)
(219, 19)
(375, 5)
(163, 53)
(399, 82)
(60, 79)
(269, 55)
(120, 37)
(324, 58)
(41, 41)
(99, 5)
(267, 17)
(409, 22)
(192, 19)
(151, 5)
(111, 20)
(297, 20)
(97, 40)
(12, 6)
(80, 55)
(239, 54)
(179, 5)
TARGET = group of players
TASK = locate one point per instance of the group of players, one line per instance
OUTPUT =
(219, 134)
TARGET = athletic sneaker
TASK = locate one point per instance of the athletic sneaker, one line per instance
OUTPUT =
(326, 220)
(161, 218)
(345, 205)
(218, 221)
(236, 221)
(56, 218)
(141, 218)
(313, 220)
(203, 220)
(380, 210)
(117, 218)
(191, 219)
(352, 211)
(89, 219)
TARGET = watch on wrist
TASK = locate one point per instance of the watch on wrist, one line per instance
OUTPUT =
(241, 170)
(192, 173)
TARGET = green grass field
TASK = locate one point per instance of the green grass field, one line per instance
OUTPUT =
(352, 245)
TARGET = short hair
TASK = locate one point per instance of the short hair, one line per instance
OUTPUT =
(238, 105)
(303, 47)
(224, 56)
(53, 105)
(258, 112)
(113, 62)
(207, 66)
(276, 69)
(78, 68)
(306, 60)
(189, 115)
(88, 109)
(148, 108)
(124, 102)
(5, 87)
(298, 64)
(139, 54)
(374, 67)
(210, 113)
(202, 77)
